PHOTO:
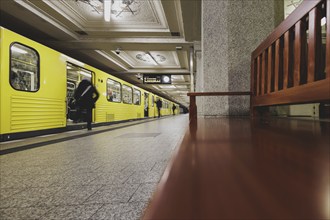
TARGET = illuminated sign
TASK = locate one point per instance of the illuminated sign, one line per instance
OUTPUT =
(156, 79)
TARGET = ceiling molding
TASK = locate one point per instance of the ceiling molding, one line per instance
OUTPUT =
(179, 17)
(37, 11)
(109, 57)
(157, 71)
(137, 40)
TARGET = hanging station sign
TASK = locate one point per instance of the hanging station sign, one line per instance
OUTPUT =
(157, 79)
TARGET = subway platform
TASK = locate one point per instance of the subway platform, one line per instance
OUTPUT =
(110, 172)
(219, 168)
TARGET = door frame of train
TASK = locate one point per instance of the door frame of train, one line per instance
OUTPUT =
(92, 74)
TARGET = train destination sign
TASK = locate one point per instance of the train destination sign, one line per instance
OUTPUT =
(157, 79)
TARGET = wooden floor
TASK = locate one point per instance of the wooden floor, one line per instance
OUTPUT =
(241, 169)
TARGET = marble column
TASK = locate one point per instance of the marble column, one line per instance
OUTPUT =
(231, 30)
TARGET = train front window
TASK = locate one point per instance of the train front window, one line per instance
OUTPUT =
(113, 91)
(24, 68)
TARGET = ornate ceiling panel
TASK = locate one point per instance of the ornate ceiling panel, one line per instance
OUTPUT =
(126, 15)
(150, 59)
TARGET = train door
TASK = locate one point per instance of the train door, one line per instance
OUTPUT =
(146, 104)
(152, 105)
(74, 75)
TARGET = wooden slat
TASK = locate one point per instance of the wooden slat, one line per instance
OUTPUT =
(289, 22)
(253, 80)
(312, 92)
(270, 71)
(263, 72)
(314, 45)
(277, 64)
(286, 56)
(328, 42)
(258, 75)
(298, 53)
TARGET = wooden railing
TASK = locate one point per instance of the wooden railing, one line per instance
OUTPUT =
(293, 65)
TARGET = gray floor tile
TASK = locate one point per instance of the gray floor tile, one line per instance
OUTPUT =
(124, 211)
(110, 194)
(70, 195)
(160, 167)
(7, 192)
(89, 174)
(75, 179)
(23, 213)
(144, 192)
(28, 197)
(80, 212)
(145, 166)
(144, 177)
(15, 181)
(112, 178)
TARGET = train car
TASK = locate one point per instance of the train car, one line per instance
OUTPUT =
(37, 84)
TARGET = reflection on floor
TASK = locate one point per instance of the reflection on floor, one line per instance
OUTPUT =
(236, 168)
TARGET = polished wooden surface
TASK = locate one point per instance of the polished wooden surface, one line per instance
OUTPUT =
(242, 169)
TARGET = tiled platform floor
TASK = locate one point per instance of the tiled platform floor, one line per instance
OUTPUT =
(108, 175)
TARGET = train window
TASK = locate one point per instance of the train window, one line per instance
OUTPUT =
(76, 73)
(152, 101)
(137, 97)
(113, 91)
(24, 68)
(127, 94)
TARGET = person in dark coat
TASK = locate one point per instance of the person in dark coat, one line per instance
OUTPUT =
(86, 95)
(159, 106)
(173, 108)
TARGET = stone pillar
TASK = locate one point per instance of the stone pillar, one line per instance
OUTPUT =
(231, 30)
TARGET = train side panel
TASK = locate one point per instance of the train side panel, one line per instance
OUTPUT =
(107, 111)
(32, 110)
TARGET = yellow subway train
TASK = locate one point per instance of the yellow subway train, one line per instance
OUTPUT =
(37, 83)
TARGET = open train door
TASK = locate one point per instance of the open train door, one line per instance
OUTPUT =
(74, 75)
(146, 104)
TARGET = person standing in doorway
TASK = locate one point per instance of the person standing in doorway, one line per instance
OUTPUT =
(173, 108)
(159, 106)
(86, 95)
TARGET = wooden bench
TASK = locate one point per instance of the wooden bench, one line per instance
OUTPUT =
(237, 168)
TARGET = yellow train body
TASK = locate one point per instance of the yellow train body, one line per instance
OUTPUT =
(46, 108)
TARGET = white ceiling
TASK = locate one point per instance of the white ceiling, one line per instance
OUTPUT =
(163, 29)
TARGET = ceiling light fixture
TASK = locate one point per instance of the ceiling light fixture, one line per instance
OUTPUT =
(107, 10)
(147, 54)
